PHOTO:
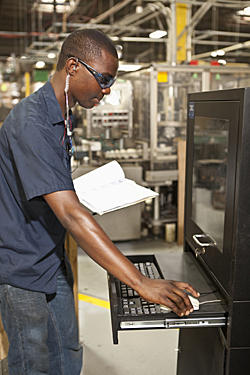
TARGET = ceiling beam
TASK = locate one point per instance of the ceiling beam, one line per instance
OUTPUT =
(218, 3)
(111, 11)
(106, 27)
(210, 33)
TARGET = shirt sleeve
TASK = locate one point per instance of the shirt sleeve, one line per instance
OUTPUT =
(41, 162)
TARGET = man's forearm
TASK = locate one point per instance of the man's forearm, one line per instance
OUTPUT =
(93, 240)
(89, 235)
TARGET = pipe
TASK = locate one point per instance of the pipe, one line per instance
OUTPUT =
(234, 47)
(111, 11)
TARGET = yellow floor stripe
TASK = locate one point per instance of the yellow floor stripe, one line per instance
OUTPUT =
(94, 301)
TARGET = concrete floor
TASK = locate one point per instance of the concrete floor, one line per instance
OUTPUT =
(138, 352)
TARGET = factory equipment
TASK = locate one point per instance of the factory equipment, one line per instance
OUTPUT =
(169, 87)
(140, 123)
(112, 120)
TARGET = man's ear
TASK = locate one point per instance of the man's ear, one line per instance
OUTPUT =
(71, 66)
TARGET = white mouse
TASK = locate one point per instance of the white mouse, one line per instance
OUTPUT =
(195, 302)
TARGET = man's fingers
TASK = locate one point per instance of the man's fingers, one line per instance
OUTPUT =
(174, 307)
(187, 287)
(181, 300)
(172, 294)
(180, 297)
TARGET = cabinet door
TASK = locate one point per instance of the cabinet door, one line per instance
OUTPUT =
(201, 352)
(210, 184)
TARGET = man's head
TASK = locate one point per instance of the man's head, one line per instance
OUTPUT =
(87, 45)
(90, 59)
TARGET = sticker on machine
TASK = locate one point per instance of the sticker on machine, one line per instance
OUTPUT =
(191, 110)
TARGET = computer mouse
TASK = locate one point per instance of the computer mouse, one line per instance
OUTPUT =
(195, 302)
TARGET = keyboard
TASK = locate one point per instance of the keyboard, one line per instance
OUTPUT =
(132, 303)
(131, 312)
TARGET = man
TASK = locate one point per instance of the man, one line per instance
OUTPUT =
(38, 203)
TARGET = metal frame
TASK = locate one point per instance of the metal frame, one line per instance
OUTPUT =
(130, 25)
(204, 70)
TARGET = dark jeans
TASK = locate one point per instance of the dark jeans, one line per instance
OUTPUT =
(42, 329)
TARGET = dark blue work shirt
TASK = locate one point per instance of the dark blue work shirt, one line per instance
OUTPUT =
(33, 162)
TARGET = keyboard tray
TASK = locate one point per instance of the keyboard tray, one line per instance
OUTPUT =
(129, 311)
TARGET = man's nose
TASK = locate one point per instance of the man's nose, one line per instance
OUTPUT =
(106, 91)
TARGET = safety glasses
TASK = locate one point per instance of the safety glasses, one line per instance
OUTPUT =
(104, 80)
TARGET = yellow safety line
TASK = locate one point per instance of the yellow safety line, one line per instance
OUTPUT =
(94, 301)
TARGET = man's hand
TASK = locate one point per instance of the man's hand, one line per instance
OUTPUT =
(169, 293)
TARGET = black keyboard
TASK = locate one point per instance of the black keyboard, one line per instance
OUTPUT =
(129, 311)
(132, 303)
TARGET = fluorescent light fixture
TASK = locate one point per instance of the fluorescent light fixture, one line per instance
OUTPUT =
(219, 52)
(244, 12)
(128, 67)
(222, 61)
(157, 34)
(214, 53)
(40, 64)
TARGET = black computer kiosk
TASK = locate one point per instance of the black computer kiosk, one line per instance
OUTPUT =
(217, 227)
(215, 340)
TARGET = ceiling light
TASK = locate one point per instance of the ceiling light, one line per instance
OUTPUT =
(51, 1)
(214, 53)
(129, 67)
(138, 9)
(40, 64)
(222, 62)
(246, 11)
(15, 101)
(51, 55)
(220, 52)
(157, 34)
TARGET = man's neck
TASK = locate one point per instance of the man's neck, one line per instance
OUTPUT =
(58, 83)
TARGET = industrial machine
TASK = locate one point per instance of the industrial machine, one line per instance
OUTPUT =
(140, 124)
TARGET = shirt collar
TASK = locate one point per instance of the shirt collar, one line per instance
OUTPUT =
(54, 109)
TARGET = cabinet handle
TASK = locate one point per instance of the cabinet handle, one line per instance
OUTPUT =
(211, 241)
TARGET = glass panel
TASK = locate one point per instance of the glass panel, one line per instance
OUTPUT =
(209, 176)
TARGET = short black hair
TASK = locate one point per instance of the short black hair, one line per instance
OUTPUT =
(86, 44)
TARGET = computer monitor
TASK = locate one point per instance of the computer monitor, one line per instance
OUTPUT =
(217, 200)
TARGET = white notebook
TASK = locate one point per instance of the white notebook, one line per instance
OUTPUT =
(106, 189)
